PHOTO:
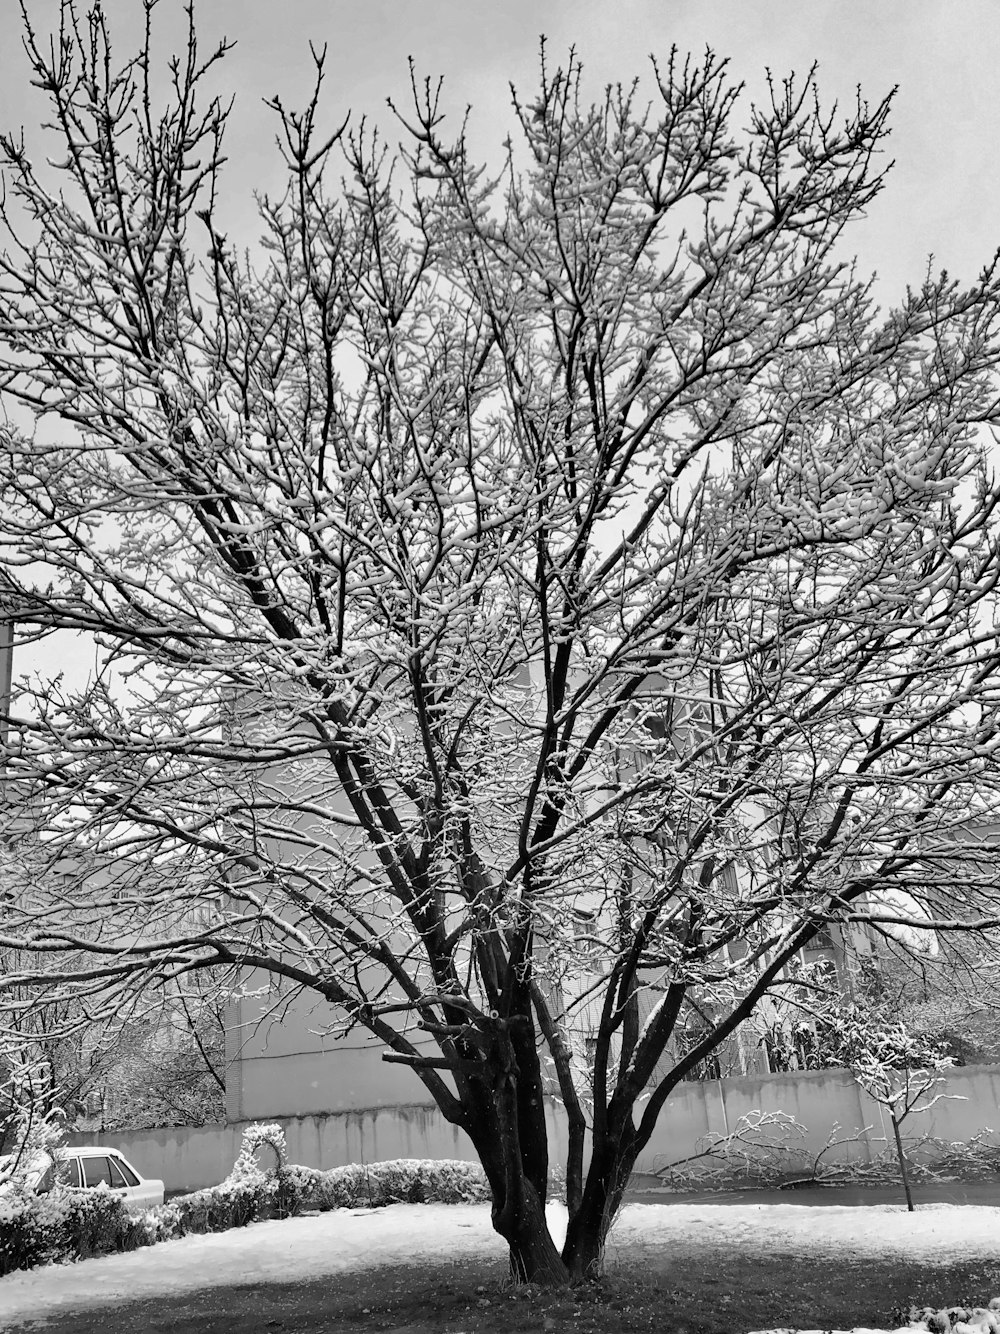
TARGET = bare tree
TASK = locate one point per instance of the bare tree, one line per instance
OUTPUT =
(947, 999)
(899, 1071)
(156, 1065)
(157, 1060)
(171, 1070)
(532, 604)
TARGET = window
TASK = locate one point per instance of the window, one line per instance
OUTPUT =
(96, 1170)
(122, 1174)
(657, 725)
(822, 940)
(73, 1176)
(584, 926)
(587, 939)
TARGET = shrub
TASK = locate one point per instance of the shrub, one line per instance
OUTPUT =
(402, 1181)
(95, 1222)
(23, 1239)
(255, 1137)
(346, 1188)
(162, 1223)
(73, 1225)
(230, 1204)
(66, 1225)
(295, 1189)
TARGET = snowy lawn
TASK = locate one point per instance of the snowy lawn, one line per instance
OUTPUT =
(355, 1241)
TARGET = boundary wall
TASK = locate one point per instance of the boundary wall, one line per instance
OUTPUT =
(188, 1158)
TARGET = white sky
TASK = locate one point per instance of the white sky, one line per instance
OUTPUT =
(943, 196)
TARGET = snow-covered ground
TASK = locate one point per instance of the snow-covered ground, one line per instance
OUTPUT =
(345, 1240)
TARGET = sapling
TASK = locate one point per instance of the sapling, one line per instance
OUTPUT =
(904, 1074)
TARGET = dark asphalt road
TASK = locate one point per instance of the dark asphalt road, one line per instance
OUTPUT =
(647, 1190)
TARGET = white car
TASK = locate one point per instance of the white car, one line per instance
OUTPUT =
(89, 1165)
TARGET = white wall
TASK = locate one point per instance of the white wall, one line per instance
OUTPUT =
(187, 1158)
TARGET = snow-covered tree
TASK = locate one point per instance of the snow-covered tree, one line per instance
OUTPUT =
(948, 1000)
(158, 1060)
(162, 1066)
(534, 599)
(26, 1109)
(901, 1072)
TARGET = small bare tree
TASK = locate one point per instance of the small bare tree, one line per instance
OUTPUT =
(532, 601)
(900, 1072)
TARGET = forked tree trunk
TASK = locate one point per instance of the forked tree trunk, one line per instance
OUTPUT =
(519, 1208)
(519, 1217)
(506, 1123)
(509, 1134)
(611, 1162)
(534, 1256)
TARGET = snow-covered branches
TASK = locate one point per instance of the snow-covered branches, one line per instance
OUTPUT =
(531, 606)
(900, 1071)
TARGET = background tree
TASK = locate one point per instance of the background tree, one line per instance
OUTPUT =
(532, 603)
(33, 1133)
(160, 1060)
(947, 1000)
(164, 1067)
(171, 1071)
(899, 1071)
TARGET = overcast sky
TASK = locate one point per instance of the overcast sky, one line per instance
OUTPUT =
(943, 195)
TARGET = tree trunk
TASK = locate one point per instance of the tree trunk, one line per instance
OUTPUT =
(902, 1161)
(507, 1127)
(610, 1164)
(583, 1254)
(534, 1257)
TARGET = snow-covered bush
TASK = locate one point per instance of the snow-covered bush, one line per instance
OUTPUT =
(252, 1195)
(250, 1192)
(76, 1224)
(23, 1239)
(66, 1225)
(403, 1181)
(162, 1223)
(232, 1203)
(95, 1222)
(963, 1319)
(247, 1166)
(346, 1187)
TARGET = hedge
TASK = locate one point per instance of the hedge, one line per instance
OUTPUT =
(73, 1225)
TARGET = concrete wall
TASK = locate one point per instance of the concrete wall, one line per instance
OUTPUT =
(817, 1099)
(189, 1158)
